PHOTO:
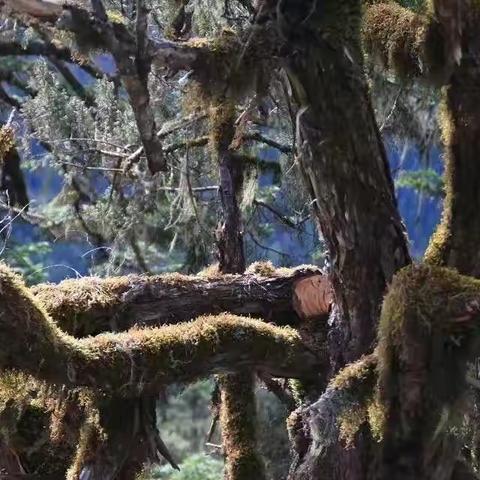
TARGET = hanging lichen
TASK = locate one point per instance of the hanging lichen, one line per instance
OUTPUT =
(7, 141)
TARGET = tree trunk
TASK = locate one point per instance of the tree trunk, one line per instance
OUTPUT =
(456, 241)
(237, 409)
(347, 173)
(132, 441)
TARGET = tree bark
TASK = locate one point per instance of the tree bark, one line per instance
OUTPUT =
(347, 174)
(142, 360)
(132, 440)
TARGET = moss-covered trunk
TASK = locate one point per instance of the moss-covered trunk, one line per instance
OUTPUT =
(131, 441)
(345, 167)
(456, 241)
(455, 244)
(237, 408)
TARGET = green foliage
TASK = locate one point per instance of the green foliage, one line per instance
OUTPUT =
(184, 419)
(413, 4)
(426, 182)
(26, 259)
(196, 467)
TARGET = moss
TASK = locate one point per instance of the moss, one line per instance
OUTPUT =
(71, 301)
(41, 423)
(264, 269)
(299, 390)
(442, 241)
(86, 447)
(353, 389)
(350, 420)
(238, 421)
(222, 126)
(361, 372)
(377, 417)
(405, 42)
(427, 333)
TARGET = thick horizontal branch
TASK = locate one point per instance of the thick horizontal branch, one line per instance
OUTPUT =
(43, 9)
(93, 305)
(414, 45)
(142, 360)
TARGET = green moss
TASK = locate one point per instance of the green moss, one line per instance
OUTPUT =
(428, 331)
(355, 387)
(361, 372)
(238, 422)
(173, 353)
(405, 42)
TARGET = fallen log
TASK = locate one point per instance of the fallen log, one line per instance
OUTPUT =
(89, 306)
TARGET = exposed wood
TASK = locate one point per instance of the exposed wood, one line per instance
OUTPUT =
(312, 297)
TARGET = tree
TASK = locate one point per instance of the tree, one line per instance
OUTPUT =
(373, 403)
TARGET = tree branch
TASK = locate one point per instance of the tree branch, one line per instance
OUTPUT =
(88, 306)
(142, 361)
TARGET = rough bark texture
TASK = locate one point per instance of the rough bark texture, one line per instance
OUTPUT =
(230, 232)
(348, 175)
(132, 441)
(89, 306)
(346, 171)
(12, 181)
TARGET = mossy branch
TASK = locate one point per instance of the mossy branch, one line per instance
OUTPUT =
(89, 306)
(410, 44)
(141, 361)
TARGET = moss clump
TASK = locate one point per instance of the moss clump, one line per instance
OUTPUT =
(141, 359)
(408, 43)
(352, 390)
(361, 372)
(441, 243)
(350, 421)
(71, 301)
(41, 423)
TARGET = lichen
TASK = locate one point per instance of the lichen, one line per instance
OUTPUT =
(7, 141)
